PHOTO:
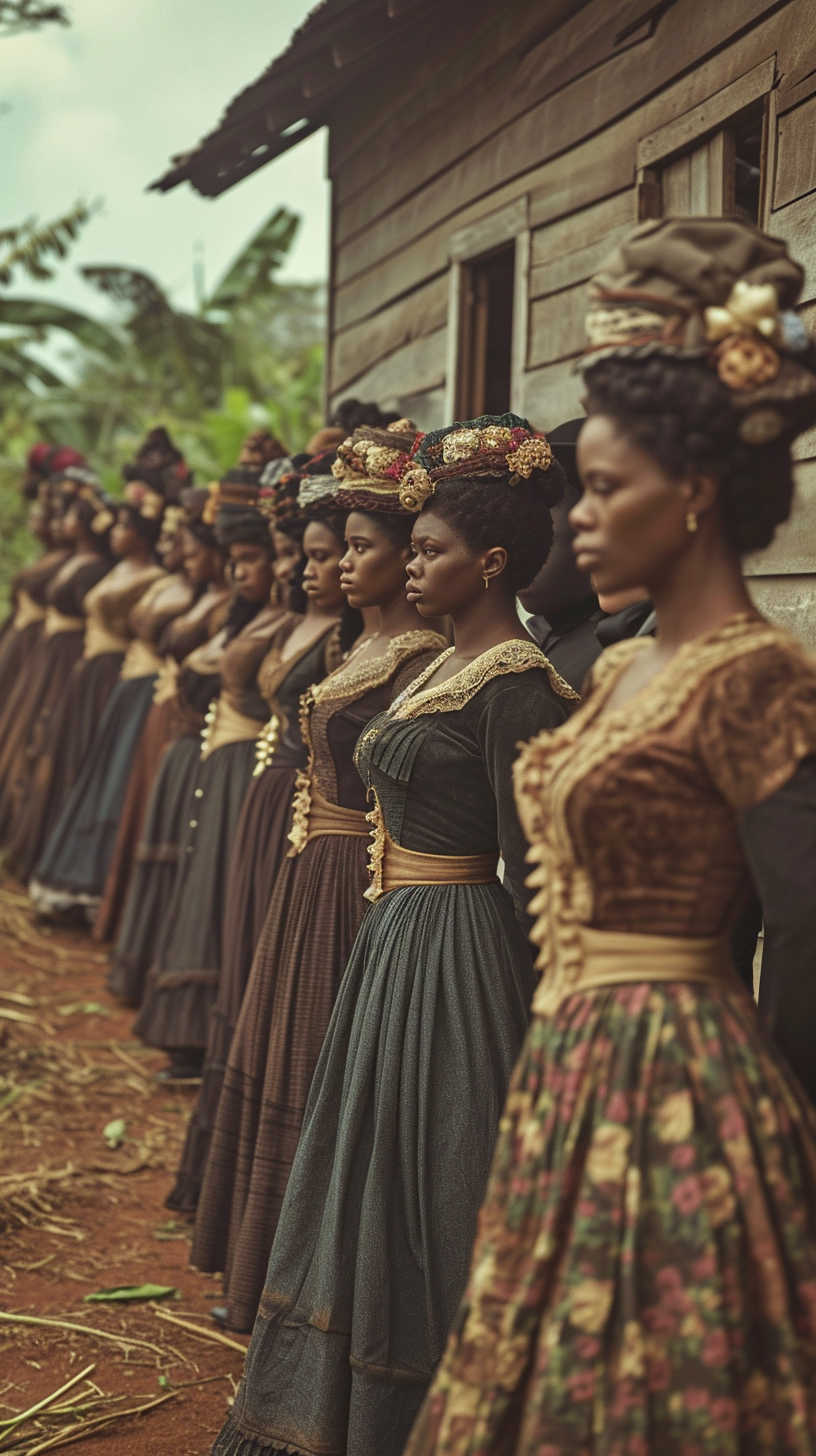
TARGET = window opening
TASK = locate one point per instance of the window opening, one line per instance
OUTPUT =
(487, 339)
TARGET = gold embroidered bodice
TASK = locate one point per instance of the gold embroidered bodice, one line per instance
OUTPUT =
(334, 712)
(632, 813)
(167, 597)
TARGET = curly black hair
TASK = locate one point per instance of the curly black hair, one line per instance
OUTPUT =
(492, 512)
(679, 411)
(145, 526)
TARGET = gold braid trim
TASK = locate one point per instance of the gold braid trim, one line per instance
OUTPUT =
(554, 763)
(376, 849)
(516, 655)
(266, 746)
(344, 685)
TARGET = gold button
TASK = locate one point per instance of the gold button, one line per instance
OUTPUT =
(193, 823)
(199, 793)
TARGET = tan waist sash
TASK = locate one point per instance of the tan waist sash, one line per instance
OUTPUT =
(99, 639)
(140, 661)
(27, 611)
(167, 681)
(327, 818)
(226, 725)
(617, 958)
(56, 622)
(409, 867)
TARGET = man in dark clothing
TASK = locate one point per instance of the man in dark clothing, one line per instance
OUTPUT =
(564, 607)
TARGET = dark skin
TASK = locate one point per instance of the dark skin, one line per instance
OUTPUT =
(171, 552)
(288, 556)
(321, 583)
(446, 577)
(373, 577)
(79, 534)
(560, 584)
(251, 571)
(203, 565)
(631, 532)
(128, 543)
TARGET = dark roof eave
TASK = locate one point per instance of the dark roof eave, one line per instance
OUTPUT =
(202, 170)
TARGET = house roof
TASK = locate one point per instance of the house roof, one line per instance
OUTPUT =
(339, 42)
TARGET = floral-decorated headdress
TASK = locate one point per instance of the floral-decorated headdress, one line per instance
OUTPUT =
(259, 449)
(720, 290)
(493, 447)
(371, 464)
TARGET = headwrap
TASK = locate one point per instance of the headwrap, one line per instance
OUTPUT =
(156, 476)
(259, 449)
(371, 466)
(233, 508)
(44, 460)
(493, 447)
(189, 516)
(719, 290)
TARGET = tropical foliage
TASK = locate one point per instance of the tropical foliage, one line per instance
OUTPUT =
(250, 354)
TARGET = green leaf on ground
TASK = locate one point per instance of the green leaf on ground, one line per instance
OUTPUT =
(114, 1132)
(128, 1292)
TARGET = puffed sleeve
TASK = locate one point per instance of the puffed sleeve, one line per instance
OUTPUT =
(779, 837)
(757, 721)
(511, 716)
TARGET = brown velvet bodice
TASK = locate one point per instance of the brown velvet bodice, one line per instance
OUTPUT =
(241, 660)
(632, 813)
(112, 600)
(167, 597)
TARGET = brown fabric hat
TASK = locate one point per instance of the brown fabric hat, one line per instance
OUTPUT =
(371, 465)
(719, 289)
(259, 448)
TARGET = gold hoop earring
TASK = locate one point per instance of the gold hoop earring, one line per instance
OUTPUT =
(691, 523)
(486, 579)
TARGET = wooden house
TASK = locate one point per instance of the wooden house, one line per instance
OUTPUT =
(485, 154)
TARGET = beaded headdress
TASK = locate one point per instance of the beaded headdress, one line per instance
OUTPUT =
(493, 447)
(259, 448)
(371, 465)
(719, 290)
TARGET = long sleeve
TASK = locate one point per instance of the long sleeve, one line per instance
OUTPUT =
(779, 836)
(510, 718)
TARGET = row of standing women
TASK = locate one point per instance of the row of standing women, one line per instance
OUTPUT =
(294, 801)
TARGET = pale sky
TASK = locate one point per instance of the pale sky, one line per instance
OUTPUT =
(98, 109)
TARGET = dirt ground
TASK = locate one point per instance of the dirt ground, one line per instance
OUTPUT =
(81, 1212)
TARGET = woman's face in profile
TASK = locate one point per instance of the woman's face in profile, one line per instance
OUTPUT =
(630, 523)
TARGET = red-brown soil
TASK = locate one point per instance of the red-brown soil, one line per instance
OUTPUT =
(87, 1216)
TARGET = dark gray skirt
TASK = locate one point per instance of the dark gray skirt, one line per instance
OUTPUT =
(77, 857)
(373, 1246)
(154, 870)
(183, 982)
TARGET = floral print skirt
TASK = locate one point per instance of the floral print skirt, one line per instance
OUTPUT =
(644, 1276)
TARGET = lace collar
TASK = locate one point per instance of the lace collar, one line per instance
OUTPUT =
(347, 682)
(517, 655)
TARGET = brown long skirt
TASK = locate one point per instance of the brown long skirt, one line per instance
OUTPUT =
(159, 731)
(314, 915)
(260, 846)
(70, 734)
(31, 703)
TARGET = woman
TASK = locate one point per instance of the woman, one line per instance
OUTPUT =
(22, 627)
(317, 903)
(108, 634)
(37, 692)
(74, 866)
(187, 545)
(371, 1250)
(301, 652)
(644, 1273)
(183, 980)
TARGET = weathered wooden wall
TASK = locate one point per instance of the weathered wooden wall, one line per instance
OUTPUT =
(543, 117)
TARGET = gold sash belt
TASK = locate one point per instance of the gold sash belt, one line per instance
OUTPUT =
(617, 958)
(400, 866)
(27, 611)
(225, 725)
(56, 622)
(99, 639)
(327, 818)
(140, 661)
